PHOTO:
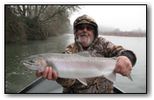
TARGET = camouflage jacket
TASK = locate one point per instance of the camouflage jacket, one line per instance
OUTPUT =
(100, 48)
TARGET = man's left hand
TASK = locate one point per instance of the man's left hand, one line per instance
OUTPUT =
(123, 66)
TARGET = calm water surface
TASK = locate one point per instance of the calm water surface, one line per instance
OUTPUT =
(17, 76)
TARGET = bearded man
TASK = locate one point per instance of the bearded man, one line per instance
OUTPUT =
(87, 39)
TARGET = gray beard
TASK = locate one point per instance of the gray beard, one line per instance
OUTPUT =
(80, 40)
(88, 40)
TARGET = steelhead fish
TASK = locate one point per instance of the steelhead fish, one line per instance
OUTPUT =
(75, 66)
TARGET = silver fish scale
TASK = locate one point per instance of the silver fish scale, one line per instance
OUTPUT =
(77, 66)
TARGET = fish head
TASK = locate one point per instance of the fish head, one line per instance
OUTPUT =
(35, 63)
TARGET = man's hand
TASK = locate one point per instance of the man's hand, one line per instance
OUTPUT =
(123, 66)
(48, 73)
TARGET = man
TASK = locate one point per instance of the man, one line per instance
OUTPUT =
(86, 39)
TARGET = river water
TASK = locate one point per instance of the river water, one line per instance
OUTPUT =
(17, 76)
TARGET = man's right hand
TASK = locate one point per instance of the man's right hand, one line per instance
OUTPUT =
(48, 73)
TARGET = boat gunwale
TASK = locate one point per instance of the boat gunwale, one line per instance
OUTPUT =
(40, 79)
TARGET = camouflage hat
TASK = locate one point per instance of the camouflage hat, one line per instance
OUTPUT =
(85, 19)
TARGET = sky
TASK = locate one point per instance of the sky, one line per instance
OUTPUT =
(123, 17)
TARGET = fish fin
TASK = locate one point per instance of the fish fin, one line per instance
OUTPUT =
(83, 81)
(130, 77)
(111, 77)
(84, 53)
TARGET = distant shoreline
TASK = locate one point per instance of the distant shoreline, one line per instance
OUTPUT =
(121, 34)
(127, 34)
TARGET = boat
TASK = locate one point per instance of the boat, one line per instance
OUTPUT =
(44, 86)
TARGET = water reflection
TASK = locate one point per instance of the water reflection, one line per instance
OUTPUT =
(18, 76)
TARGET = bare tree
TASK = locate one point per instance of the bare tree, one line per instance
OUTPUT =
(38, 18)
